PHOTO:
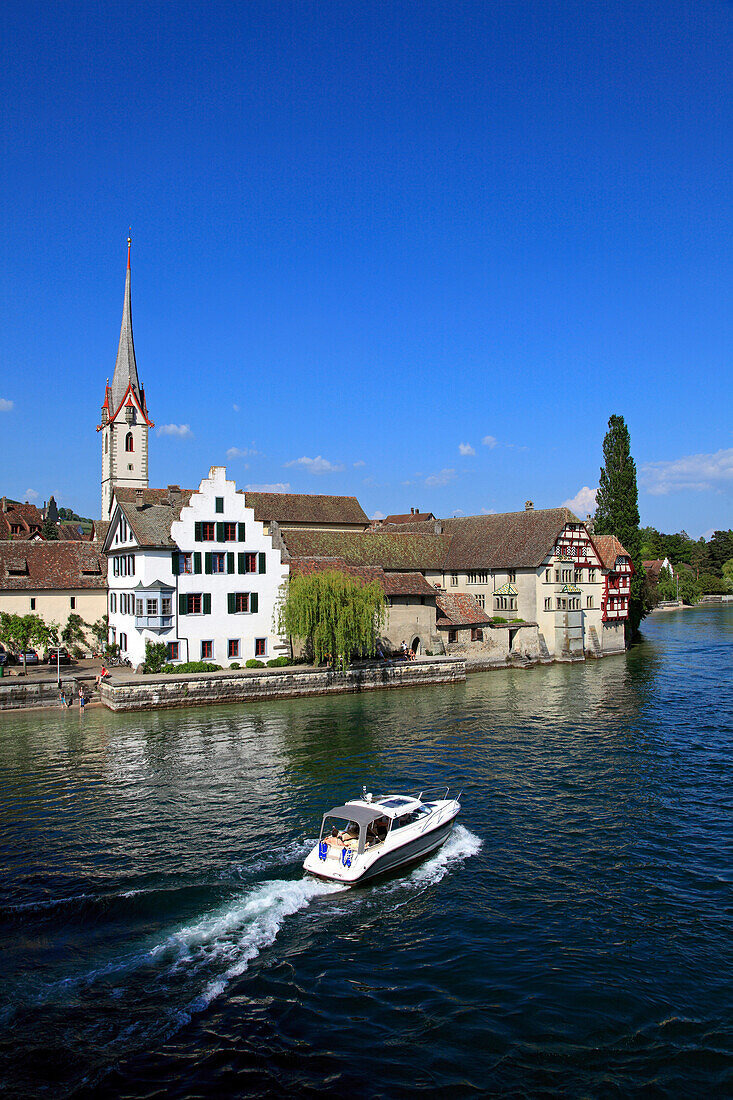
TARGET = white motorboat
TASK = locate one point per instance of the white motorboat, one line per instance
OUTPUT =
(369, 836)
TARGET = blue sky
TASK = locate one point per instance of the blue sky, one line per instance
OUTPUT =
(417, 252)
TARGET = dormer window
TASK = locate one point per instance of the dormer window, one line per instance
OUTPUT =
(128, 442)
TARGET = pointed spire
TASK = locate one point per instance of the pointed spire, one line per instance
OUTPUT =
(125, 367)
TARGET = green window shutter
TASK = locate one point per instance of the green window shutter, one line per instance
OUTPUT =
(207, 562)
(240, 532)
(174, 562)
(220, 504)
(182, 603)
(220, 532)
(263, 563)
(231, 602)
(230, 562)
(253, 602)
(240, 563)
(197, 561)
(197, 532)
(207, 603)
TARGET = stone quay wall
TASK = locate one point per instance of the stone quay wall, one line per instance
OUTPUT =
(187, 690)
(17, 693)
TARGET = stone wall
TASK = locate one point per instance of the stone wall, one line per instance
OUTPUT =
(153, 692)
(17, 693)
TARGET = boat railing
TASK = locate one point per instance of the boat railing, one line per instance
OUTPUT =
(432, 791)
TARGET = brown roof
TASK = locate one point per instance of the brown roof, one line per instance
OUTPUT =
(392, 551)
(394, 584)
(511, 540)
(14, 514)
(609, 549)
(459, 609)
(71, 532)
(306, 508)
(410, 517)
(25, 565)
(151, 524)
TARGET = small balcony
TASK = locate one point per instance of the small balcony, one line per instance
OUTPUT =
(153, 622)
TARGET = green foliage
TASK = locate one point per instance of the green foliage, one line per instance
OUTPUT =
(617, 510)
(235, 664)
(334, 614)
(711, 586)
(278, 662)
(73, 633)
(20, 632)
(727, 571)
(49, 530)
(253, 663)
(100, 630)
(190, 666)
(155, 656)
(720, 549)
(499, 619)
(516, 620)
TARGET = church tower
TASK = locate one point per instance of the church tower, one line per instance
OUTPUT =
(125, 420)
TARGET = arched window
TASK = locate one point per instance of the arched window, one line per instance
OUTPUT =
(128, 442)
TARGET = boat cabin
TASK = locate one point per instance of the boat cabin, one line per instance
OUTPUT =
(360, 825)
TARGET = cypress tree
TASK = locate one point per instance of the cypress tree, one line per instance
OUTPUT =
(617, 510)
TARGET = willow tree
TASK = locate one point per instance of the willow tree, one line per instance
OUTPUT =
(617, 510)
(334, 614)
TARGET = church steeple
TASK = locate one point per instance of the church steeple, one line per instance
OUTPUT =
(125, 366)
(125, 421)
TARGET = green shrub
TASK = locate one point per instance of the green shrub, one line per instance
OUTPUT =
(428, 653)
(499, 619)
(516, 620)
(190, 666)
(235, 664)
(278, 662)
(155, 656)
(254, 663)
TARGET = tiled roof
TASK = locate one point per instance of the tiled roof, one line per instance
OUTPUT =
(421, 527)
(71, 532)
(609, 549)
(45, 565)
(392, 551)
(459, 609)
(651, 568)
(15, 514)
(411, 517)
(306, 508)
(511, 540)
(151, 524)
(394, 584)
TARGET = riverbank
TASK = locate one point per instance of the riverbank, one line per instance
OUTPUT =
(250, 685)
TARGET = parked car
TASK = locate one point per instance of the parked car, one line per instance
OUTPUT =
(3, 657)
(58, 655)
(31, 657)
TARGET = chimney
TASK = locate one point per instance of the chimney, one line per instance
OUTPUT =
(412, 511)
(138, 498)
(5, 504)
(529, 506)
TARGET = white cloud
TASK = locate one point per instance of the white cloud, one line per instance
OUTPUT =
(583, 503)
(696, 473)
(488, 511)
(458, 512)
(5, 405)
(241, 452)
(236, 408)
(441, 478)
(466, 449)
(378, 515)
(360, 462)
(31, 494)
(278, 487)
(180, 431)
(317, 465)
(490, 441)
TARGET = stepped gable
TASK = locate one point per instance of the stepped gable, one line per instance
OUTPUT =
(50, 565)
(19, 520)
(392, 552)
(150, 513)
(459, 609)
(610, 549)
(307, 509)
(510, 540)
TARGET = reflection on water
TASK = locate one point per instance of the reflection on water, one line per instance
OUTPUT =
(573, 937)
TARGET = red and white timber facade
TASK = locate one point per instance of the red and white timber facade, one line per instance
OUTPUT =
(618, 569)
(125, 421)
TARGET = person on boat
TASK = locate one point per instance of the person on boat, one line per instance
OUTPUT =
(350, 834)
(334, 838)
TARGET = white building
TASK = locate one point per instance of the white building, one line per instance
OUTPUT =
(194, 569)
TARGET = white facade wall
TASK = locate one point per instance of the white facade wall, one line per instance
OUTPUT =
(154, 579)
(128, 468)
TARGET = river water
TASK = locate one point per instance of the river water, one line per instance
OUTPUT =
(572, 938)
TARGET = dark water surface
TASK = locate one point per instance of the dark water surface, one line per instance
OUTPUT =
(573, 937)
